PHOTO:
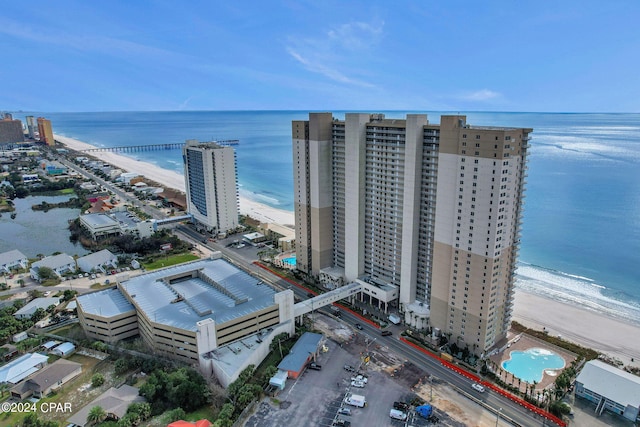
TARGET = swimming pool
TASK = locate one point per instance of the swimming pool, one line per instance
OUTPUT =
(530, 365)
(290, 260)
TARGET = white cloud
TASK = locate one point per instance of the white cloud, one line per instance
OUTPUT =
(340, 48)
(481, 95)
(356, 35)
(320, 68)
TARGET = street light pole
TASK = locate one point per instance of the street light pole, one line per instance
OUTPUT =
(498, 416)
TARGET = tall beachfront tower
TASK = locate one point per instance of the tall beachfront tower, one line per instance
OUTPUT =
(431, 209)
(211, 184)
(31, 126)
(46, 131)
(10, 130)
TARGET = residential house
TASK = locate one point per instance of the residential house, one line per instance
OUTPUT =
(12, 260)
(20, 368)
(47, 380)
(60, 264)
(27, 311)
(114, 401)
(98, 262)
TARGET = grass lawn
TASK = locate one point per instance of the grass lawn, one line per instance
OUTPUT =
(204, 413)
(171, 260)
(101, 286)
(74, 330)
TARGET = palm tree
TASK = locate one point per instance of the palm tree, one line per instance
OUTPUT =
(96, 415)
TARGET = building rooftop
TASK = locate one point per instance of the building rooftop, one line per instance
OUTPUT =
(113, 401)
(54, 261)
(37, 303)
(16, 370)
(306, 345)
(99, 220)
(50, 344)
(64, 348)
(51, 374)
(218, 291)
(11, 257)
(97, 258)
(615, 384)
(105, 303)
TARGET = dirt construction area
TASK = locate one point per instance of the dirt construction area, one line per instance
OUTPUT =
(317, 397)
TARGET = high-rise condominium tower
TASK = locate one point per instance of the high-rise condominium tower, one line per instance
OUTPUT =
(211, 185)
(46, 132)
(434, 210)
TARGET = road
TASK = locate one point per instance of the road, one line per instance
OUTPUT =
(123, 195)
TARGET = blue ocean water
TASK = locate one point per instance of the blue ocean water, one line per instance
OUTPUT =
(581, 229)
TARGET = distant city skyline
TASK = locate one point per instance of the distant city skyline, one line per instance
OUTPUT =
(571, 56)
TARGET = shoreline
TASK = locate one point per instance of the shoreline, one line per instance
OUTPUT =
(591, 329)
(174, 180)
(598, 331)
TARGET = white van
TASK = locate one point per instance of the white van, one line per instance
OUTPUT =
(397, 415)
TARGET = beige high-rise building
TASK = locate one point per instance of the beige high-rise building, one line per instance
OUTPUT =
(433, 210)
(211, 185)
(46, 131)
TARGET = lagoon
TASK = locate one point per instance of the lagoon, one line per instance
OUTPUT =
(38, 232)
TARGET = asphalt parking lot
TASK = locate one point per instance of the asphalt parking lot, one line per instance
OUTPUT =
(316, 396)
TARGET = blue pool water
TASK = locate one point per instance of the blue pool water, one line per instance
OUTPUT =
(290, 260)
(529, 365)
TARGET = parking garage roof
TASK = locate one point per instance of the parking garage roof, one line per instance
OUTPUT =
(219, 291)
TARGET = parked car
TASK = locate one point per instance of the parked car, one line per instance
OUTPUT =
(360, 378)
(477, 387)
(357, 384)
(344, 411)
(315, 366)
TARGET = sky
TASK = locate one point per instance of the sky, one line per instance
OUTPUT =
(454, 55)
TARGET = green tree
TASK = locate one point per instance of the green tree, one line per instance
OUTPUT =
(121, 366)
(175, 415)
(96, 415)
(38, 315)
(97, 380)
(68, 295)
(143, 410)
(269, 372)
(45, 273)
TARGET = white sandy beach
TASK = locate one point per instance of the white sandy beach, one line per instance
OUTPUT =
(611, 336)
(597, 331)
(175, 180)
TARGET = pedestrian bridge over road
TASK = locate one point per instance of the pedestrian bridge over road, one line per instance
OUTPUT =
(307, 306)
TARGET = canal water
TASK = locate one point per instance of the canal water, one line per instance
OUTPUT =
(37, 232)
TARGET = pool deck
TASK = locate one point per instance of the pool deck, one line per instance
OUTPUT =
(526, 342)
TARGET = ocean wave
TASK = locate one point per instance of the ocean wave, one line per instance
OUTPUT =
(260, 198)
(577, 290)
